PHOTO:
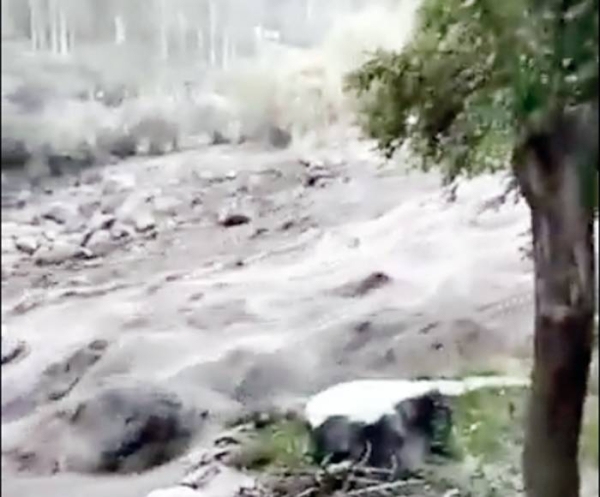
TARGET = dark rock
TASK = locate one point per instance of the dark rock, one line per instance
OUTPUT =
(59, 163)
(278, 137)
(14, 153)
(133, 428)
(112, 95)
(370, 283)
(398, 441)
(315, 173)
(259, 232)
(231, 219)
(218, 138)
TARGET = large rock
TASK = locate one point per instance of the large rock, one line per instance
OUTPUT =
(116, 429)
(392, 424)
(27, 244)
(57, 253)
(132, 428)
(100, 243)
(62, 213)
(14, 153)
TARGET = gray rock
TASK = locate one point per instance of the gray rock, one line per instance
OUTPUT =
(111, 203)
(62, 213)
(89, 208)
(121, 231)
(143, 221)
(118, 184)
(101, 221)
(366, 285)
(230, 219)
(116, 429)
(131, 428)
(400, 439)
(278, 137)
(100, 243)
(27, 244)
(57, 253)
(136, 212)
(167, 206)
(91, 177)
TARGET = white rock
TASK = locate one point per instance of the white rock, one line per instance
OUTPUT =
(118, 183)
(100, 243)
(144, 221)
(166, 206)
(368, 400)
(62, 213)
(111, 203)
(135, 212)
(119, 231)
(27, 244)
(101, 221)
(57, 253)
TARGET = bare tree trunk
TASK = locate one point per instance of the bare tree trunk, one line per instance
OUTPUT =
(549, 167)
(224, 49)
(182, 28)
(54, 24)
(212, 29)
(164, 32)
(120, 30)
(63, 30)
(36, 26)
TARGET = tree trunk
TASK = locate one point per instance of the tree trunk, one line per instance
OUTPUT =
(212, 29)
(36, 26)
(120, 30)
(549, 167)
(164, 31)
(63, 30)
(54, 27)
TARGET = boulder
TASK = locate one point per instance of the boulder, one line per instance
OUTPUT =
(391, 424)
(57, 253)
(117, 428)
(62, 213)
(27, 244)
(230, 219)
(100, 243)
(131, 428)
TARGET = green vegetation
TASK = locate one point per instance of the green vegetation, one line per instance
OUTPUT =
(283, 444)
(590, 434)
(487, 422)
(487, 85)
(475, 74)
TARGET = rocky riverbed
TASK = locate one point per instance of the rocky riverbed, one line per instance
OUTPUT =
(148, 302)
